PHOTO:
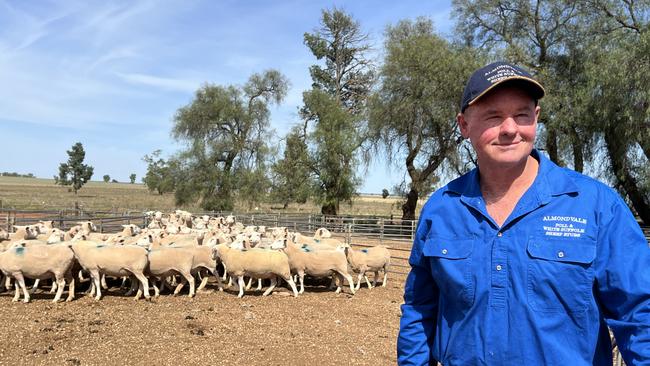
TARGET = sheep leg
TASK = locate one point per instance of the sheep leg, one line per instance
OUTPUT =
(17, 295)
(367, 281)
(337, 281)
(250, 283)
(293, 286)
(274, 282)
(36, 283)
(96, 277)
(123, 284)
(156, 291)
(374, 280)
(216, 275)
(104, 285)
(192, 284)
(240, 282)
(350, 281)
(21, 281)
(204, 281)
(60, 287)
(383, 284)
(70, 279)
(91, 289)
(145, 284)
(179, 287)
(54, 287)
(301, 276)
(259, 284)
(361, 274)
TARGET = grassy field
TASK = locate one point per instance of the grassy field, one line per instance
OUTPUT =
(38, 194)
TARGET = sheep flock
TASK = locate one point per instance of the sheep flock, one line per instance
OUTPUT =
(179, 250)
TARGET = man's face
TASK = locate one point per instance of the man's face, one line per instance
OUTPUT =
(501, 126)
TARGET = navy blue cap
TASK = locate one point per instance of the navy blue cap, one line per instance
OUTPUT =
(487, 78)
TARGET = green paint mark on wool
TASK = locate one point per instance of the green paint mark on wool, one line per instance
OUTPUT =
(20, 251)
(364, 250)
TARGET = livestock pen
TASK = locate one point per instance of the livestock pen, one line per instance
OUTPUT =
(362, 327)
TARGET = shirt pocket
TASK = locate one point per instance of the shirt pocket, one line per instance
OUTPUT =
(560, 273)
(450, 261)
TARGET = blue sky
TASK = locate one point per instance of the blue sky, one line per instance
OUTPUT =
(111, 74)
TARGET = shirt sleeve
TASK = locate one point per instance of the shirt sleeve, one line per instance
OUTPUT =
(623, 282)
(419, 311)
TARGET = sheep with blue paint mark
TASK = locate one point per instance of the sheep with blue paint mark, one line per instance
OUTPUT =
(39, 262)
(372, 259)
(319, 263)
(112, 260)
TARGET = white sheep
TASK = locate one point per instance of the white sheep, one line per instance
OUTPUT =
(317, 263)
(257, 263)
(371, 259)
(169, 261)
(39, 262)
(111, 260)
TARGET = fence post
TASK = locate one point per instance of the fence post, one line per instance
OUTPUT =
(348, 239)
(8, 222)
(412, 230)
(101, 225)
(309, 223)
(61, 220)
(381, 230)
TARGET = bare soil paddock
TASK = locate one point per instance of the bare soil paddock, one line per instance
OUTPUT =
(317, 328)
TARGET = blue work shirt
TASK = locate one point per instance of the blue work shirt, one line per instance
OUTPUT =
(569, 261)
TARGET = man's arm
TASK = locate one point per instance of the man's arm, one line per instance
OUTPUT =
(419, 312)
(623, 282)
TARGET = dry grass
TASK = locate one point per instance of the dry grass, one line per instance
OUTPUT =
(38, 194)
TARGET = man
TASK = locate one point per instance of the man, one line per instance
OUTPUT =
(521, 262)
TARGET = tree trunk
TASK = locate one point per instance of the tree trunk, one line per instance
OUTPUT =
(551, 145)
(637, 195)
(577, 145)
(411, 204)
(328, 209)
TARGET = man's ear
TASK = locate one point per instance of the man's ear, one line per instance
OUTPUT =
(537, 112)
(462, 125)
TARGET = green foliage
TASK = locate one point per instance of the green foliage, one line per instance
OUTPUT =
(336, 106)
(226, 132)
(161, 174)
(412, 115)
(107, 178)
(132, 178)
(291, 176)
(14, 174)
(74, 173)
(384, 193)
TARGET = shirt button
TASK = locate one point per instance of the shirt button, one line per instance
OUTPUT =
(560, 254)
(498, 267)
(444, 251)
(499, 234)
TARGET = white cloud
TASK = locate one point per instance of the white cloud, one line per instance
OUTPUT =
(174, 84)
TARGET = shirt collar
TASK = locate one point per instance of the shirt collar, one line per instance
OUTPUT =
(551, 181)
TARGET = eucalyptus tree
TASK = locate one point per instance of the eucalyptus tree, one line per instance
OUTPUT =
(334, 109)
(413, 111)
(225, 129)
(292, 180)
(617, 94)
(533, 33)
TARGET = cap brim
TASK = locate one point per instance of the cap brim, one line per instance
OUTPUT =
(538, 94)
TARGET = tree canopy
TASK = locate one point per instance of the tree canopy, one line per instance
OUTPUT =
(74, 172)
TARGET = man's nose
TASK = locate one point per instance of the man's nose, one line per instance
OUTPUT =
(509, 126)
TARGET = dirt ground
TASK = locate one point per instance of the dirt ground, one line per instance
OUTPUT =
(319, 327)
